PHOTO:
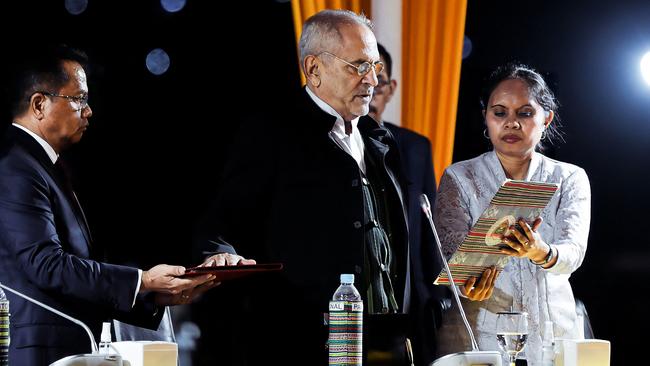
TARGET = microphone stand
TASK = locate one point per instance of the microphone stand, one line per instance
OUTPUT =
(93, 345)
(426, 207)
(94, 359)
(461, 358)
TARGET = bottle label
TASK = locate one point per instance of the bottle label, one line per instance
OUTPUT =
(345, 333)
(337, 306)
(4, 332)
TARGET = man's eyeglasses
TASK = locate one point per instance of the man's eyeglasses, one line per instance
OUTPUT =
(81, 100)
(362, 69)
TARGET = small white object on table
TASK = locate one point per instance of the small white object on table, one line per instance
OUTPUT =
(148, 353)
(582, 352)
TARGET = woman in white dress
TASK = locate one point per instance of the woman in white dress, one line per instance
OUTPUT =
(519, 109)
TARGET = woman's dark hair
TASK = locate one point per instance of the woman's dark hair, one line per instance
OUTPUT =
(538, 89)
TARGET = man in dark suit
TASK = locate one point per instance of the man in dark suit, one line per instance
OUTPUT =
(415, 152)
(317, 185)
(45, 242)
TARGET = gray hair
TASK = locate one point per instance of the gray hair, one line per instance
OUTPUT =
(321, 30)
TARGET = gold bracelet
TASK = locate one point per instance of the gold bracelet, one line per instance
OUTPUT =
(548, 259)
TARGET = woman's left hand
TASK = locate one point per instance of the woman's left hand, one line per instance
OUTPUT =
(527, 244)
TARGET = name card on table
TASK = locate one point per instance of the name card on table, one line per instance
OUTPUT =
(582, 352)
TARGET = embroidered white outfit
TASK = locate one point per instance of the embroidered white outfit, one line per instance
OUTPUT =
(465, 191)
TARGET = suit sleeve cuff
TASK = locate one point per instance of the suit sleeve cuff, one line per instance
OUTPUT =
(137, 288)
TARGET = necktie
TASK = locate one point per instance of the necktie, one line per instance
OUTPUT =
(63, 175)
(348, 127)
(64, 178)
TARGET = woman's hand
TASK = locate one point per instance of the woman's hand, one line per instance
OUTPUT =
(482, 290)
(528, 244)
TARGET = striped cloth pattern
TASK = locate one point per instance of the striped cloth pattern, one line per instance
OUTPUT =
(513, 200)
(345, 333)
(4, 333)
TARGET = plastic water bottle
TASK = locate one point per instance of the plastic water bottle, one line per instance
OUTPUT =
(345, 324)
(548, 345)
(105, 339)
(4, 329)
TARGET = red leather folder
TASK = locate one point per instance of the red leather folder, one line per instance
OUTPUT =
(224, 273)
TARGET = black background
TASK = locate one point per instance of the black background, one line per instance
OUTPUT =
(149, 164)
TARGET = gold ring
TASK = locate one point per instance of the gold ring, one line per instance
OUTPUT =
(525, 244)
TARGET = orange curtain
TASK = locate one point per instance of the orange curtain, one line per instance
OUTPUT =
(432, 46)
(303, 9)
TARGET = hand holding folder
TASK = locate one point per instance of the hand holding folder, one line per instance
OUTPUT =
(482, 247)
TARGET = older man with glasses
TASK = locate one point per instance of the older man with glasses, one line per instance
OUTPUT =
(317, 185)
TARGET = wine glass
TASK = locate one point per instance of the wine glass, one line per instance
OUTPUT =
(512, 333)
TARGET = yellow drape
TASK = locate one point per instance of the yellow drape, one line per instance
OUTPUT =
(432, 46)
(303, 9)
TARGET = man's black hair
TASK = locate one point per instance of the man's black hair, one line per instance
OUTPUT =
(39, 70)
(388, 61)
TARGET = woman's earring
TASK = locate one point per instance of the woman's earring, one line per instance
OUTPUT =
(485, 134)
(543, 134)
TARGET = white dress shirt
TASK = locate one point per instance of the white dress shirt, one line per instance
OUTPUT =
(351, 144)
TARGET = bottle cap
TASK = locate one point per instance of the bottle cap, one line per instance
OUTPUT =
(347, 278)
(106, 332)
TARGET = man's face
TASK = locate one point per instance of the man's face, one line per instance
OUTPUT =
(341, 86)
(383, 93)
(65, 121)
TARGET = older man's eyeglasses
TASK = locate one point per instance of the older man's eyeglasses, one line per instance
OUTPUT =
(80, 100)
(362, 69)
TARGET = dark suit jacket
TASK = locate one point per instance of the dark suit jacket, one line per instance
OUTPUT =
(415, 152)
(45, 253)
(290, 194)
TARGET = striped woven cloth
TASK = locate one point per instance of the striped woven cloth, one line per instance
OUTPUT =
(480, 249)
(4, 333)
(345, 333)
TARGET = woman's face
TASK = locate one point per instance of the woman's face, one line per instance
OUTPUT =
(514, 119)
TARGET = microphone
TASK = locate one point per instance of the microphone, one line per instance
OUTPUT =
(426, 208)
(93, 345)
(461, 358)
(91, 359)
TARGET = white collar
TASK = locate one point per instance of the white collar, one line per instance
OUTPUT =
(339, 126)
(48, 149)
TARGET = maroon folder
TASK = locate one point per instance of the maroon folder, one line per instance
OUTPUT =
(224, 273)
